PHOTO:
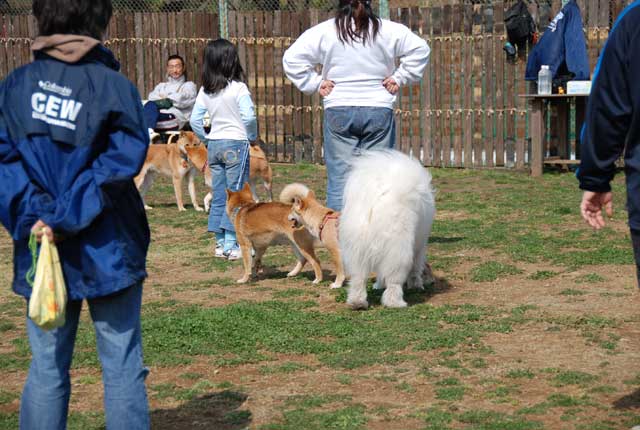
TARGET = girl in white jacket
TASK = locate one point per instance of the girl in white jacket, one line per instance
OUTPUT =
(358, 82)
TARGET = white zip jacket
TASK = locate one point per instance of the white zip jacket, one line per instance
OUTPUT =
(183, 95)
(357, 70)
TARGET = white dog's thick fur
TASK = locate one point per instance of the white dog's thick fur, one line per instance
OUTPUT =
(385, 225)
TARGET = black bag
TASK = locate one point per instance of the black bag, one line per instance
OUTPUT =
(519, 24)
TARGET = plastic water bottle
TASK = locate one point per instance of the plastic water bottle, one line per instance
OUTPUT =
(544, 80)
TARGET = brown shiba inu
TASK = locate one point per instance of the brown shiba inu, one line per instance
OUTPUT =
(259, 225)
(319, 220)
(169, 160)
(259, 169)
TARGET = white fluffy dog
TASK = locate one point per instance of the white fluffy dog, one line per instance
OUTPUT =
(385, 225)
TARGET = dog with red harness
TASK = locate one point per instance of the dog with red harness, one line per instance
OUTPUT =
(322, 222)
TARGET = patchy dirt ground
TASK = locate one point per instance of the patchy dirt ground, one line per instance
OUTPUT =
(534, 343)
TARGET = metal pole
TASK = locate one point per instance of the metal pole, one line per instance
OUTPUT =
(223, 18)
(383, 9)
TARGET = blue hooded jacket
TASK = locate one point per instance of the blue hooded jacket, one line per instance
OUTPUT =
(562, 47)
(72, 137)
(612, 123)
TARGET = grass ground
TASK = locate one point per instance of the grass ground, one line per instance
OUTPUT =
(532, 323)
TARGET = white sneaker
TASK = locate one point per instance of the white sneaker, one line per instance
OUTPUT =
(219, 252)
(234, 254)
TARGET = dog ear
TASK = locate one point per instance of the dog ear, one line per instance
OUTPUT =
(311, 194)
(246, 188)
(298, 204)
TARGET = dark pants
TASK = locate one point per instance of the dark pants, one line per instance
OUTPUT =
(635, 240)
(152, 116)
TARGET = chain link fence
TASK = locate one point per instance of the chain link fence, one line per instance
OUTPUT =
(19, 7)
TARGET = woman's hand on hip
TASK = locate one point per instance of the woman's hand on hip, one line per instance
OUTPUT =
(326, 87)
(391, 85)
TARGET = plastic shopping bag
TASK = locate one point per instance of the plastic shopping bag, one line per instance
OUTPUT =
(49, 295)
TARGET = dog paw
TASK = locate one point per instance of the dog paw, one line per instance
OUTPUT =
(317, 281)
(358, 305)
(394, 303)
(243, 280)
(182, 209)
(147, 208)
(199, 209)
(335, 286)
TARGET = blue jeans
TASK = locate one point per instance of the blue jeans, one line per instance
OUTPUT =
(229, 163)
(349, 130)
(116, 320)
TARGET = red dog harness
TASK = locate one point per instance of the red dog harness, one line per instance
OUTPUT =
(327, 217)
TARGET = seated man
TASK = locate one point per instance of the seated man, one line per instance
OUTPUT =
(170, 103)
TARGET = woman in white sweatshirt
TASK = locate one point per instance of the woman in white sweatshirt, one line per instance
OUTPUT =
(358, 82)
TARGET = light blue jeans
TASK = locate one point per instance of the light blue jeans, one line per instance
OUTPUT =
(116, 320)
(229, 163)
(349, 130)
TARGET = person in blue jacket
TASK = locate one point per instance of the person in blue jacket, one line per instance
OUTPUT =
(612, 127)
(562, 47)
(72, 137)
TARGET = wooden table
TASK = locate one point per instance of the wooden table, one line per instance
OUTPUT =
(538, 130)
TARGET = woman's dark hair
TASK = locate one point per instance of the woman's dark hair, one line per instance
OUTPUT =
(221, 66)
(82, 17)
(367, 23)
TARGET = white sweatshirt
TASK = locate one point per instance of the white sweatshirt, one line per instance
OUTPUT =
(181, 92)
(356, 69)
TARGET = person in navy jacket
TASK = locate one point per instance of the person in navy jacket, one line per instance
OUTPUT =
(612, 127)
(562, 47)
(72, 137)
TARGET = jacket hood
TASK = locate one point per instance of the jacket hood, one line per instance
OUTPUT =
(69, 48)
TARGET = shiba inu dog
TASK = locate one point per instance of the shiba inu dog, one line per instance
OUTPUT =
(259, 225)
(319, 220)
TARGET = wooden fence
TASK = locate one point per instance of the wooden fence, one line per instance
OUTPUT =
(465, 113)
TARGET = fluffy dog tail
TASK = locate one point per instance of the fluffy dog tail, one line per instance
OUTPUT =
(291, 191)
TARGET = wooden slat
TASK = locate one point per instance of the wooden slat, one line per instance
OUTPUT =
(521, 144)
(426, 96)
(458, 101)
(316, 103)
(278, 86)
(403, 102)
(500, 78)
(138, 48)
(130, 47)
(436, 16)
(416, 21)
(287, 96)
(447, 142)
(468, 90)
(488, 87)
(149, 76)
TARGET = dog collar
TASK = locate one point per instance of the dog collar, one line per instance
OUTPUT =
(327, 217)
(234, 213)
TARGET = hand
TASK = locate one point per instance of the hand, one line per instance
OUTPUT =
(326, 87)
(391, 85)
(40, 228)
(591, 208)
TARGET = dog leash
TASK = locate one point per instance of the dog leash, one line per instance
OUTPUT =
(243, 166)
(327, 217)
